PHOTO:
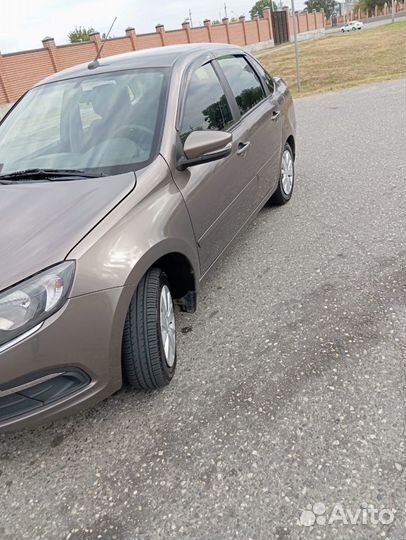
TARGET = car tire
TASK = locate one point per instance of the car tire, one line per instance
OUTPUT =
(353, 28)
(342, 30)
(149, 341)
(286, 184)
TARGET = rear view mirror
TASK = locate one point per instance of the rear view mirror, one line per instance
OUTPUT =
(204, 146)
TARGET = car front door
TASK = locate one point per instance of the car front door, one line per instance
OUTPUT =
(221, 195)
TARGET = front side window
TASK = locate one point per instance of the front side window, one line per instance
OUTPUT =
(244, 83)
(206, 107)
(107, 123)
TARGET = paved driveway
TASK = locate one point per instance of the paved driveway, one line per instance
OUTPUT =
(290, 389)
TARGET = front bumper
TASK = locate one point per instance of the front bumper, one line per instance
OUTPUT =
(73, 360)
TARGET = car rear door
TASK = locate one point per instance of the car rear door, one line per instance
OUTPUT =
(259, 107)
(221, 195)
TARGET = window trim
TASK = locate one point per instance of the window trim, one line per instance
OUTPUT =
(235, 110)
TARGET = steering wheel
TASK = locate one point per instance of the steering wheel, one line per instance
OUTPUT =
(138, 134)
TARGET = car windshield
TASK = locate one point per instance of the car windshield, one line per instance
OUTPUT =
(104, 123)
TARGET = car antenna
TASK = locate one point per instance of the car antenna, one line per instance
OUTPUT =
(95, 64)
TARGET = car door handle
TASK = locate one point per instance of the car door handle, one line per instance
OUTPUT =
(275, 115)
(243, 147)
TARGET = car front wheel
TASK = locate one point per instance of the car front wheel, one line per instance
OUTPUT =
(149, 341)
(286, 182)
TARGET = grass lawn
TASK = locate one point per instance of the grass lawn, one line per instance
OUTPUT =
(341, 60)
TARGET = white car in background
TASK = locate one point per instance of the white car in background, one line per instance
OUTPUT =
(352, 25)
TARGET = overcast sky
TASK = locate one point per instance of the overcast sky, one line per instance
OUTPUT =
(24, 23)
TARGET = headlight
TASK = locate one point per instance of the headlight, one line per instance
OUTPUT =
(32, 301)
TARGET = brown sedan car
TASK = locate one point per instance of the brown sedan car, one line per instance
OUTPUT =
(121, 184)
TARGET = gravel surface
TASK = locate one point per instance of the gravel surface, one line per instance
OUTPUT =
(290, 389)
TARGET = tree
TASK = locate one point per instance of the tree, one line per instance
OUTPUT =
(369, 5)
(80, 34)
(327, 5)
(258, 8)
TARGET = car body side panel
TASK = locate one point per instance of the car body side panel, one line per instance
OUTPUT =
(219, 197)
(150, 223)
(287, 112)
(265, 137)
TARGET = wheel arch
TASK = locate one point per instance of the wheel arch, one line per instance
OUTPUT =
(181, 267)
(181, 278)
(292, 143)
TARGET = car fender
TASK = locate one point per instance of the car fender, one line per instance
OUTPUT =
(151, 222)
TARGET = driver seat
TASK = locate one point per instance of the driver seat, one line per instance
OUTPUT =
(112, 103)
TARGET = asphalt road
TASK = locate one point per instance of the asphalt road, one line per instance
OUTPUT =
(290, 388)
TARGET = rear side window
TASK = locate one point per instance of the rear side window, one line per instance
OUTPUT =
(206, 107)
(267, 79)
(244, 82)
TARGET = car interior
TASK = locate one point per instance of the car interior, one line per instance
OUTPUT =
(96, 122)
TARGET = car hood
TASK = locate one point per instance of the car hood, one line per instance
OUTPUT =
(41, 222)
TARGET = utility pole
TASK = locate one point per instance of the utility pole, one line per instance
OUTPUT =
(225, 10)
(190, 18)
(299, 82)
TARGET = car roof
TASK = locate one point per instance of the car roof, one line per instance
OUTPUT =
(167, 56)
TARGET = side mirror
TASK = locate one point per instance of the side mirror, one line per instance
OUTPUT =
(205, 146)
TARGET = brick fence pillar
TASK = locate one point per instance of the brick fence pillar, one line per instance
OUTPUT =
(258, 31)
(315, 18)
(130, 32)
(323, 17)
(160, 28)
(3, 83)
(49, 44)
(267, 16)
(244, 30)
(207, 24)
(226, 23)
(186, 28)
(96, 39)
